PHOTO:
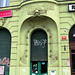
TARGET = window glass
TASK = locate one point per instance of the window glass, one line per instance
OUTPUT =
(4, 3)
(73, 62)
(72, 51)
(1, 3)
(43, 67)
(35, 67)
(7, 3)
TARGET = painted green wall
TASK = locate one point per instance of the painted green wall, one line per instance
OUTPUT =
(54, 18)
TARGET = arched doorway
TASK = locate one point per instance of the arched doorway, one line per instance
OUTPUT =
(5, 50)
(72, 49)
(39, 53)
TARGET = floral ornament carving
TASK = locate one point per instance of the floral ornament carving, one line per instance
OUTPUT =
(38, 8)
(37, 12)
(23, 58)
(53, 58)
(3, 21)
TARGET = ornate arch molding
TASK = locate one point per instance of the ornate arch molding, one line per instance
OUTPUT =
(3, 21)
(32, 27)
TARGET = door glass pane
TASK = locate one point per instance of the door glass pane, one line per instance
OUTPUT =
(43, 67)
(35, 67)
(73, 62)
(72, 51)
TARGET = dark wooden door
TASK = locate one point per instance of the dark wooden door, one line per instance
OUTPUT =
(72, 49)
(72, 57)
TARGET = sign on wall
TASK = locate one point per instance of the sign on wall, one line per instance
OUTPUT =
(71, 7)
(2, 70)
(6, 13)
(63, 37)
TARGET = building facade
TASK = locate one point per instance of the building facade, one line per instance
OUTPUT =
(37, 37)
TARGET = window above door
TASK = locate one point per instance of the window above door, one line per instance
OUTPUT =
(4, 3)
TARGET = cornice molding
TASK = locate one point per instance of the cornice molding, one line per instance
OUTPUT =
(32, 2)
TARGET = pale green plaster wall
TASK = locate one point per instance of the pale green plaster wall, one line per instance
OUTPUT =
(54, 19)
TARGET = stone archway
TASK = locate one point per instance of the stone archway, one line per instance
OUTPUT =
(28, 27)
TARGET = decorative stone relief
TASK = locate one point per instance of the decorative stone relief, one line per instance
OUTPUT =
(32, 24)
(37, 12)
(38, 18)
(23, 58)
(53, 56)
(37, 8)
(2, 21)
